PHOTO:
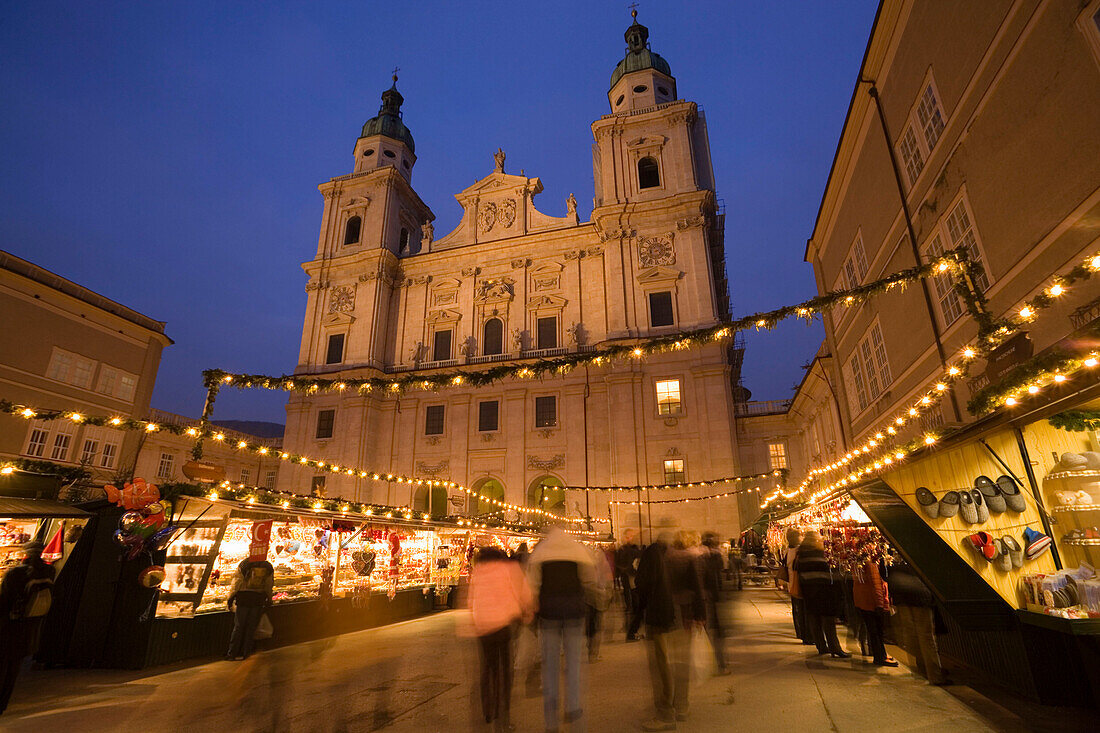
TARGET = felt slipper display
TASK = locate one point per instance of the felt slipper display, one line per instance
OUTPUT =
(1036, 543)
(1071, 462)
(982, 542)
(991, 493)
(1092, 460)
(967, 510)
(927, 501)
(949, 504)
(1003, 560)
(1015, 552)
(979, 505)
(1010, 490)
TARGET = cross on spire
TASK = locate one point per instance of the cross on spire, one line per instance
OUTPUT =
(395, 70)
(633, 10)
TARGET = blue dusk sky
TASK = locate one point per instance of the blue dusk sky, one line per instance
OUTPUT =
(167, 155)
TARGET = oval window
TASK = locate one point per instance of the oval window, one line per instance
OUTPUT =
(620, 100)
(640, 88)
(388, 154)
(663, 91)
(368, 153)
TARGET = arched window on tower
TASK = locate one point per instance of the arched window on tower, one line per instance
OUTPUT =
(403, 242)
(351, 231)
(493, 341)
(648, 176)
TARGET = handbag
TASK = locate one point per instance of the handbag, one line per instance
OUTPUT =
(264, 629)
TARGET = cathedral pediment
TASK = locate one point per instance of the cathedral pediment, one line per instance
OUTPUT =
(338, 319)
(446, 315)
(546, 302)
(501, 206)
(659, 275)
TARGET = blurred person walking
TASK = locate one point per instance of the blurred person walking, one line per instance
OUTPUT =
(798, 606)
(626, 569)
(670, 594)
(563, 577)
(712, 590)
(249, 595)
(820, 594)
(872, 599)
(26, 594)
(499, 597)
(914, 625)
(599, 602)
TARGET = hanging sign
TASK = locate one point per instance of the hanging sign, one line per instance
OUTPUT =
(261, 540)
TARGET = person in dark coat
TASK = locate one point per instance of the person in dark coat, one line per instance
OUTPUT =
(820, 594)
(712, 589)
(670, 594)
(626, 559)
(914, 624)
(25, 597)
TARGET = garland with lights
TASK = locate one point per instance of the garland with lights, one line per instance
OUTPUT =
(778, 473)
(1076, 421)
(686, 500)
(434, 380)
(201, 433)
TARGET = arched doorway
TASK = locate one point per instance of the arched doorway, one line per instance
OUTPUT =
(490, 488)
(542, 494)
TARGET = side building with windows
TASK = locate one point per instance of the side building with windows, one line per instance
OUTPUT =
(387, 297)
(972, 124)
(68, 348)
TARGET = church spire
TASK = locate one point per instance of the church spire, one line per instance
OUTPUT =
(648, 78)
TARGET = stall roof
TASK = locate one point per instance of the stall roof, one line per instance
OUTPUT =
(25, 508)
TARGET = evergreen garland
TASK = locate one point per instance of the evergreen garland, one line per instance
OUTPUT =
(1076, 420)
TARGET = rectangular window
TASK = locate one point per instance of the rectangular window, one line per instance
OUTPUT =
(660, 309)
(911, 154)
(874, 389)
(857, 379)
(777, 455)
(71, 369)
(488, 416)
(61, 447)
(951, 306)
(668, 397)
(674, 471)
(110, 453)
(246, 476)
(930, 117)
(869, 368)
(36, 442)
(547, 332)
(441, 345)
(961, 232)
(116, 383)
(269, 478)
(326, 421)
(167, 463)
(881, 363)
(88, 451)
(434, 419)
(546, 411)
(334, 354)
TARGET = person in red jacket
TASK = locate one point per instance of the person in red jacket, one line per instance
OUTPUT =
(872, 598)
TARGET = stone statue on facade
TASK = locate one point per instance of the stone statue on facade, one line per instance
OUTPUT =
(571, 205)
(468, 347)
(498, 157)
(517, 339)
(428, 231)
(418, 352)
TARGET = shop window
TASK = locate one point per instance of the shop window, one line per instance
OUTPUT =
(547, 332)
(660, 309)
(71, 368)
(777, 456)
(246, 476)
(648, 175)
(668, 397)
(351, 230)
(434, 419)
(546, 411)
(326, 421)
(109, 456)
(493, 337)
(674, 471)
(441, 345)
(334, 354)
(488, 416)
(165, 466)
(403, 242)
(269, 478)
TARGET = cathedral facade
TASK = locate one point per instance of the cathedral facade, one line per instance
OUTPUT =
(387, 296)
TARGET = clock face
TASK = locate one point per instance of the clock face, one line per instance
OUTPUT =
(656, 251)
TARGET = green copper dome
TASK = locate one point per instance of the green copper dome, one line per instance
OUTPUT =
(638, 55)
(388, 121)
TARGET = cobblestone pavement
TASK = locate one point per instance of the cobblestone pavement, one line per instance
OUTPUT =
(422, 676)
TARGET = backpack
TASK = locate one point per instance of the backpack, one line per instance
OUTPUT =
(35, 601)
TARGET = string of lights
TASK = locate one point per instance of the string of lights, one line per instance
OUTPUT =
(672, 487)
(688, 500)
